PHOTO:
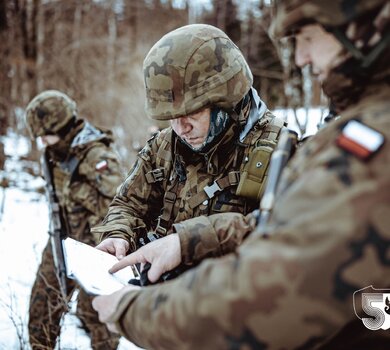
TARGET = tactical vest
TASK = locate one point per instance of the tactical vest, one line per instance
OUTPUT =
(238, 189)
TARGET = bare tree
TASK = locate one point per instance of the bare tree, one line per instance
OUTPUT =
(132, 14)
(91, 50)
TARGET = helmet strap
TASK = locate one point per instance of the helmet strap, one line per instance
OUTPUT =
(240, 110)
(65, 130)
(365, 60)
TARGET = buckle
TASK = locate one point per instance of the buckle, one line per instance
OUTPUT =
(152, 236)
(170, 197)
(158, 174)
(210, 190)
(159, 229)
(234, 177)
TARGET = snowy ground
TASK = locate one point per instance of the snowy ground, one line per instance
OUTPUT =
(310, 118)
(23, 235)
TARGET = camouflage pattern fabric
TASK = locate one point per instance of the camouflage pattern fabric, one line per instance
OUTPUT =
(292, 14)
(166, 165)
(212, 236)
(329, 236)
(193, 67)
(85, 183)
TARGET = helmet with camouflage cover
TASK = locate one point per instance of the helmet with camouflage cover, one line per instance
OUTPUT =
(191, 68)
(49, 112)
(292, 14)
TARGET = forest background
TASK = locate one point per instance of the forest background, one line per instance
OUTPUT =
(93, 51)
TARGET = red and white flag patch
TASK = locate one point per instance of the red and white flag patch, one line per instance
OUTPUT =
(360, 140)
(102, 165)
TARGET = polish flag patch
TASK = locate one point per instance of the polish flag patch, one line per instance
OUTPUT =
(360, 140)
(102, 165)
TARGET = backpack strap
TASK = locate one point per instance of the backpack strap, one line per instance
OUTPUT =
(163, 160)
(165, 217)
(272, 130)
(163, 168)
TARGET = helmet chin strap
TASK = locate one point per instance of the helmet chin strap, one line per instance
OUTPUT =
(365, 60)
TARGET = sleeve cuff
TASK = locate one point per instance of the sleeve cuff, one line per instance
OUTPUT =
(198, 239)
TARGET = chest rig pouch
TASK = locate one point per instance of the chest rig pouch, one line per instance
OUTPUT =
(254, 172)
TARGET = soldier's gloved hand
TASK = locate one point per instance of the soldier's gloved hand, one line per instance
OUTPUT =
(163, 254)
(114, 246)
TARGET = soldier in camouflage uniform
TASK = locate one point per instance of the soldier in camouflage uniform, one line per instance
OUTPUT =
(213, 158)
(86, 173)
(329, 232)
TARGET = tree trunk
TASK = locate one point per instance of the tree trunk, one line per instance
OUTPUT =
(220, 10)
(4, 68)
(40, 25)
(132, 8)
(112, 36)
(76, 35)
(3, 16)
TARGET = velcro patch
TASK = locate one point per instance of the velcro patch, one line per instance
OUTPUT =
(360, 140)
(102, 165)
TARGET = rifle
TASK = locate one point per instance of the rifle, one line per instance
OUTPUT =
(58, 228)
(279, 159)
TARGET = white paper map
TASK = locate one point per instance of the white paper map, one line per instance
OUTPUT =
(89, 267)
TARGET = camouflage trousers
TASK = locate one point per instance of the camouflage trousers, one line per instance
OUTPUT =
(47, 306)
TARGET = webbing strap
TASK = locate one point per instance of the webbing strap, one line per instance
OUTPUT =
(164, 154)
(233, 178)
(169, 203)
(155, 175)
(272, 130)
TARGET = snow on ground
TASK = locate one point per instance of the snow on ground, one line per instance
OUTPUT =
(312, 117)
(23, 235)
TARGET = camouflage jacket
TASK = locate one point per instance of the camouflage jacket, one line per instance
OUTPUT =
(329, 237)
(86, 181)
(168, 182)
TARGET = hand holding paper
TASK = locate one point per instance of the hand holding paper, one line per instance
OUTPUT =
(89, 267)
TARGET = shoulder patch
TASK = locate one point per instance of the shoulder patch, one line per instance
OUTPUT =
(360, 140)
(102, 165)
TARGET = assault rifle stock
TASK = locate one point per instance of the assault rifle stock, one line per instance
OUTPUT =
(280, 156)
(57, 231)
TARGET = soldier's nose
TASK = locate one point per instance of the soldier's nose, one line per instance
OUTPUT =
(302, 56)
(181, 126)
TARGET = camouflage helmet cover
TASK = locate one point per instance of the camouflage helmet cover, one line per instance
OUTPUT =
(193, 67)
(49, 112)
(291, 14)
